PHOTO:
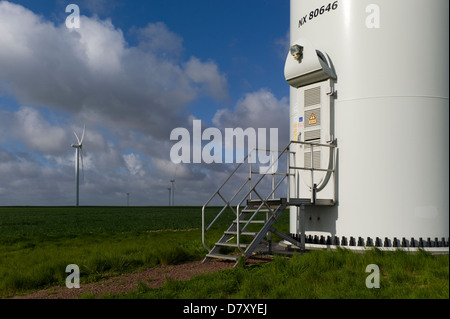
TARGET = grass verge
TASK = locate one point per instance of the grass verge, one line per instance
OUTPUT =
(41, 265)
(317, 275)
(36, 245)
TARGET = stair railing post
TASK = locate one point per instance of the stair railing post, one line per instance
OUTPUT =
(302, 227)
(203, 230)
(312, 174)
(288, 173)
(334, 172)
(250, 174)
(269, 234)
(238, 231)
(273, 176)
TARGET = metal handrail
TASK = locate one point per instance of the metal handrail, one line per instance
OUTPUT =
(227, 203)
(312, 169)
(253, 189)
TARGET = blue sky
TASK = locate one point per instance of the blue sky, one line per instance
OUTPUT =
(134, 71)
(244, 38)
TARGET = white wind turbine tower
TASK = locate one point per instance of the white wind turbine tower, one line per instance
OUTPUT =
(78, 153)
(173, 186)
(170, 196)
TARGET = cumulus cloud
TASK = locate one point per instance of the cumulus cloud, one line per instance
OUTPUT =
(134, 164)
(129, 96)
(158, 39)
(37, 133)
(207, 75)
(93, 72)
(26, 182)
(260, 109)
(100, 43)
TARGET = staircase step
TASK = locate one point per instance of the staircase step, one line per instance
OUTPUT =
(262, 210)
(270, 202)
(267, 226)
(221, 256)
(231, 245)
(251, 222)
(247, 216)
(245, 233)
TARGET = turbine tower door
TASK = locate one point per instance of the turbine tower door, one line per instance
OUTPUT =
(314, 125)
(311, 75)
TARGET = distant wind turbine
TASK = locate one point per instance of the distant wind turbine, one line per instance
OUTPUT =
(170, 196)
(173, 191)
(173, 186)
(78, 154)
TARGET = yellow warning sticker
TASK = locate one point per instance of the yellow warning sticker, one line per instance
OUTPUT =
(312, 119)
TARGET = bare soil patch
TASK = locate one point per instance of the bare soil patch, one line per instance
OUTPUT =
(153, 277)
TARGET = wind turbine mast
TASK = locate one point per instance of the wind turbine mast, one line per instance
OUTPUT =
(78, 153)
(170, 196)
(173, 187)
(77, 175)
(173, 192)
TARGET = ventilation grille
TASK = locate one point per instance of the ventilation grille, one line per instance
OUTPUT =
(312, 135)
(312, 126)
(308, 147)
(312, 96)
(316, 159)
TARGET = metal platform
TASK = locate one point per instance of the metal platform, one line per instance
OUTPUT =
(294, 202)
(308, 202)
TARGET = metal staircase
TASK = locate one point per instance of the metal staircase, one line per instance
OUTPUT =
(256, 215)
(250, 215)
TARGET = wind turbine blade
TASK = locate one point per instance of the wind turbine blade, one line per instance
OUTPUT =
(78, 140)
(82, 136)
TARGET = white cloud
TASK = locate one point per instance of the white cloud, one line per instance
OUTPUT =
(129, 97)
(169, 170)
(92, 72)
(37, 133)
(260, 109)
(158, 39)
(208, 75)
(102, 44)
(15, 32)
(26, 182)
(134, 164)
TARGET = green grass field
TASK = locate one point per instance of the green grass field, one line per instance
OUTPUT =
(37, 243)
(317, 275)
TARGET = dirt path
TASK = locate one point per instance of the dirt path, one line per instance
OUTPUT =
(153, 277)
